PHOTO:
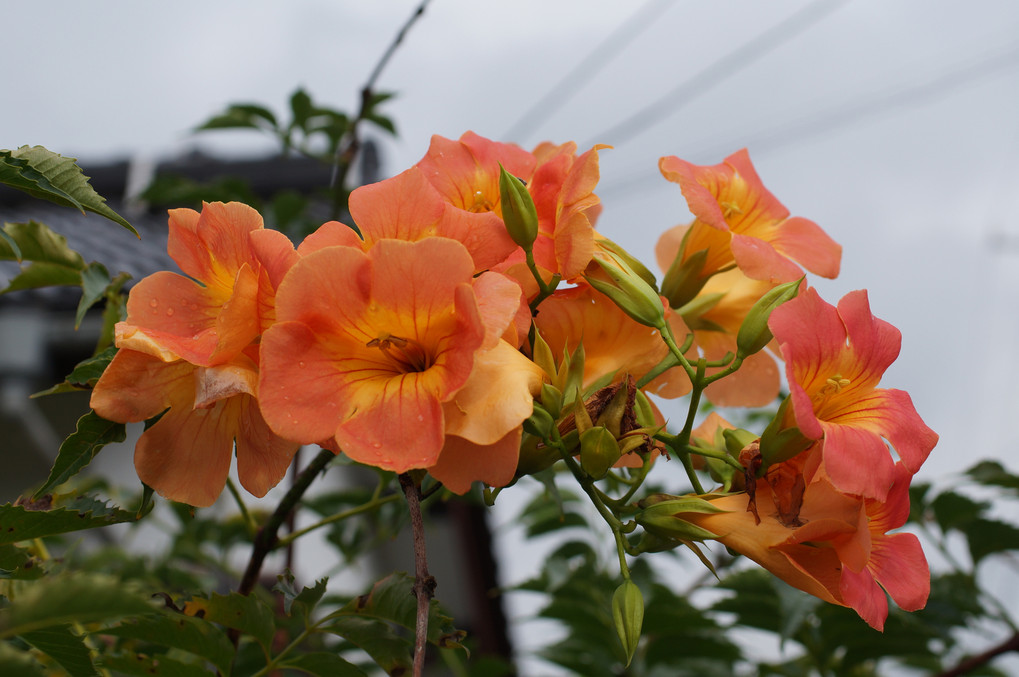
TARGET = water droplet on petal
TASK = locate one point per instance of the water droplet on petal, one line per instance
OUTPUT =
(301, 363)
(420, 417)
(377, 445)
(169, 312)
(153, 303)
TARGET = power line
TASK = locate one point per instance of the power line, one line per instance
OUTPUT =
(723, 68)
(597, 59)
(848, 113)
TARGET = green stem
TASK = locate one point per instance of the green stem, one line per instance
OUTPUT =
(712, 453)
(544, 290)
(670, 340)
(338, 517)
(248, 519)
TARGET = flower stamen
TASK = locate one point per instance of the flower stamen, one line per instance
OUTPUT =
(407, 354)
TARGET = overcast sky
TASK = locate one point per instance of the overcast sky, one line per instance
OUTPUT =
(891, 124)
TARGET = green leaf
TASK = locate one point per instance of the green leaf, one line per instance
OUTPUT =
(15, 663)
(179, 631)
(21, 522)
(84, 375)
(240, 116)
(987, 537)
(18, 564)
(44, 174)
(994, 474)
(954, 511)
(53, 263)
(161, 666)
(240, 612)
(301, 108)
(65, 647)
(377, 639)
(307, 598)
(95, 280)
(59, 600)
(324, 664)
(92, 434)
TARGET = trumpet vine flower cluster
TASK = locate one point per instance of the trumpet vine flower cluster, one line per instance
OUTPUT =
(476, 326)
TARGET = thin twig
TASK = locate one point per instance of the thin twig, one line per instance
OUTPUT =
(974, 662)
(424, 584)
(267, 537)
(347, 151)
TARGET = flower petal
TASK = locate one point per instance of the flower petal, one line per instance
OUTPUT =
(262, 457)
(463, 462)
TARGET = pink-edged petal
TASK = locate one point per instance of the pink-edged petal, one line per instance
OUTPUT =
(899, 565)
(759, 261)
(874, 342)
(865, 596)
(702, 203)
(137, 386)
(497, 397)
(399, 428)
(330, 234)
(275, 252)
(186, 455)
(404, 207)
(300, 384)
(262, 457)
(857, 461)
(463, 462)
(803, 240)
(890, 413)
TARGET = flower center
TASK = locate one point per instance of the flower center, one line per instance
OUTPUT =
(481, 203)
(406, 354)
(729, 208)
(832, 386)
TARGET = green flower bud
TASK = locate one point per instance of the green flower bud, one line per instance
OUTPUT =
(540, 423)
(754, 333)
(551, 399)
(628, 616)
(620, 254)
(736, 439)
(599, 451)
(781, 440)
(630, 292)
(683, 281)
(518, 211)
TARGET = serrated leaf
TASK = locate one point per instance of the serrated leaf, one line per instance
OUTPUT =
(246, 613)
(43, 275)
(390, 651)
(47, 175)
(308, 598)
(38, 243)
(84, 375)
(19, 523)
(60, 600)
(324, 664)
(17, 563)
(95, 280)
(194, 635)
(64, 647)
(93, 432)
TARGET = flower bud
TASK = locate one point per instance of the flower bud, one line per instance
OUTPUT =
(628, 616)
(754, 333)
(782, 440)
(612, 250)
(683, 280)
(629, 291)
(599, 451)
(540, 423)
(518, 210)
(661, 516)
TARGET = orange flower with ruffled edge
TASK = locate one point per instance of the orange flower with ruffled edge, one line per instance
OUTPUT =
(830, 544)
(373, 349)
(562, 188)
(187, 349)
(835, 358)
(234, 265)
(738, 221)
(185, 456)
(614, 344)
(715, 325)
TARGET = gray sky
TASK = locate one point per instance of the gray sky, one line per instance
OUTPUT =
(891, 124)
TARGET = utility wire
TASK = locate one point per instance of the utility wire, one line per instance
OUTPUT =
(597, 59)
(717, 72)
(849, 113)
